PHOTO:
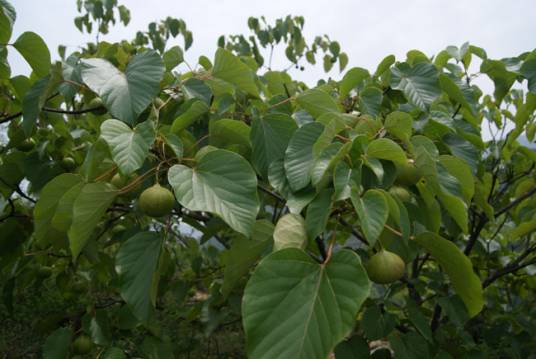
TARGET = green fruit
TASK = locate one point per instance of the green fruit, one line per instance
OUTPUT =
(407, 174)
(26, 145)
(385, 267)
(82, 345)
(156, 201)
(401, 193)
(98, 106)
(119, 181)
(68, 163)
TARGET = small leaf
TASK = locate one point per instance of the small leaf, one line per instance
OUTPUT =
(34, 50)
(317, 102)
(173, 57)
(351, 79)
(373, 211)
(136, 264)
(223, 183)
(8, 16)
(386, 149)
(458, 268)
(399, 124)
(129, 147)
(294, 307)
(127, 94)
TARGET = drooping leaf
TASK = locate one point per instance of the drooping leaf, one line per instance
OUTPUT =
(419, 83)
(501, 77)
(223, 183)
(50, 197)
(458, 268)
(386, 149)
(299, 155)
(136, 264)
(32, 103)
(294, 307)
(318, 211)
(290, 232)
(373, 211)
(245, 252)
(34, 50)
(125, 95)
(88, 209)
(196, 109)
(129, 147)
(269, 137)
(229, 68)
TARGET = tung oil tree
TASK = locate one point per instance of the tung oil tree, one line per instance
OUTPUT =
(151, 209)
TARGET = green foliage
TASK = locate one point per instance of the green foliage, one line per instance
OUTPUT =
(164, 212)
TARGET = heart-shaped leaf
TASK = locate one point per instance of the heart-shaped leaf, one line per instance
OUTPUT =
(294, 307)
(127, 94)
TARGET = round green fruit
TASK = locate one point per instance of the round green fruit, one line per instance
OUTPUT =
(407, 174)
(98, 106)
(26, 145)
(156, 201)
(44, 272)
(68, 163)
(401, 193)
(118, 229)
(82, 345)
(119, 181)
(385, 267)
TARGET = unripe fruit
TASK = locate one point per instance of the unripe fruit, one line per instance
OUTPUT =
(118, 229)
(82, 345)
(401, 193)
(68, 163)
(407, 174)
(156, 201)
(98, 106)
(118, 181)
(385, 267)
(44, 272)
(26, 145)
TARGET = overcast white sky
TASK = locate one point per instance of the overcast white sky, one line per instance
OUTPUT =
(366, 30)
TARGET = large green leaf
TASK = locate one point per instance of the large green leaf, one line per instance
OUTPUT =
(290, 232)
(419, 83)
(129, 147)
(227, 133)
(373, 211)
(244, 253)
(127, 94)
(299, 155)
(223, 183)
(458, 268)
(501, 77)
(57, 344)
(295, 308)
(459, 169)
(88, 209)
(317, 102)
(34, 50)
(32, 103)
(136, 264)
(229, 68)
(50, 197)
(269, 137)
(386, 149)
